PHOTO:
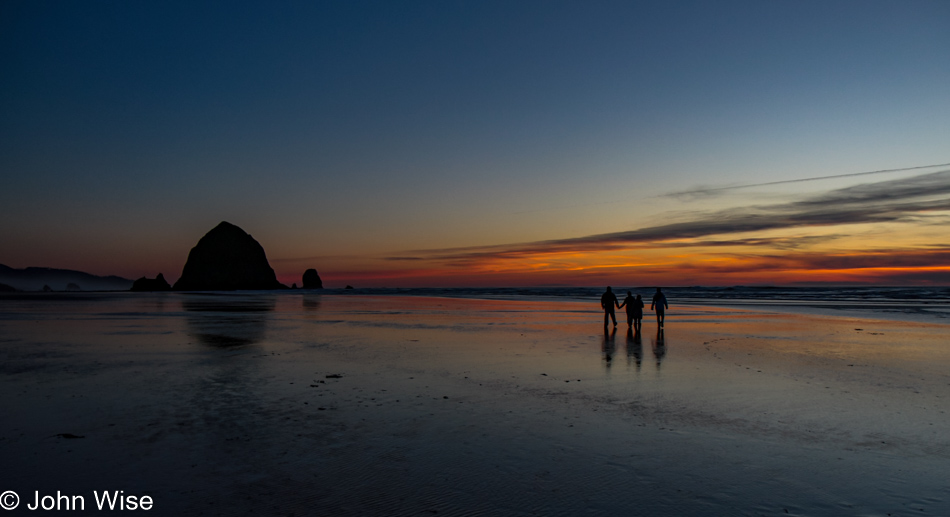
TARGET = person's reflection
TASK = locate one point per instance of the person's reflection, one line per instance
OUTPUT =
(609, 346)
(224, 321)
(659, 347)
(634, 347)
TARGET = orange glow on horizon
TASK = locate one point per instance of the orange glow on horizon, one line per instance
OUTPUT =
(701, 267)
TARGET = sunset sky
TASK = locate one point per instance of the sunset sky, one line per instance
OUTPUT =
(483, 143)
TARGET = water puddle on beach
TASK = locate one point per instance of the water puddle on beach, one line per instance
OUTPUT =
(279, 403)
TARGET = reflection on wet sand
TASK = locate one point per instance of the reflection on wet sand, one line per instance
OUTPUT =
(467, 407)
(609, 346)
(659, 347)
(634, 347)
(311, 302)
(225, 321)
(217, 404)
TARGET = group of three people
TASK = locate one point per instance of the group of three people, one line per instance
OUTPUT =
(634, 308)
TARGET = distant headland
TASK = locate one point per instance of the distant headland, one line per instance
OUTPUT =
(226, 259)
(51, 279)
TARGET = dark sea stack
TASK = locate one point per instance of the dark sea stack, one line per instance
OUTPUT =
(73, 287)
(151, 284)
(311, 280)
(227, 259)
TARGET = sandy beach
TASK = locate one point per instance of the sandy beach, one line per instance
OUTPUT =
(306, 404)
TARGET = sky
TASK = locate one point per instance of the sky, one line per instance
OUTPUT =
(483, 143)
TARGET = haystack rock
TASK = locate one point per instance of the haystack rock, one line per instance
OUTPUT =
(227, 259)
(151, 284)
(311, 280)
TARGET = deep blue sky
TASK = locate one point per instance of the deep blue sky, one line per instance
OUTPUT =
(356, 128)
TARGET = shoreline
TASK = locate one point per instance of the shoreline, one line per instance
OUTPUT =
(926, 311)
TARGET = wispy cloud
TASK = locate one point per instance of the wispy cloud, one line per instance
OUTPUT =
(714, 191)
(897, 200)
(316, 258)
(896, 259)
(782, 243)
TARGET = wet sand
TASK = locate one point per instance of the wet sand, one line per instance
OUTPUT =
(350, 405)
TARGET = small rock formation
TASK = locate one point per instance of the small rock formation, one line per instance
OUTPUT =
(73, 287)
(227, 259)
(151, 284)
(293, 285)
(47, 289)
(311, 280)
(348, 287)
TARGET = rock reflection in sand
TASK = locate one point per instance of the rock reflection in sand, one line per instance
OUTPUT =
(311, 302)
(228, 320)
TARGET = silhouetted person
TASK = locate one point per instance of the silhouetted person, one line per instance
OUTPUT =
(634, 310)
(609, 346)
(609, 301)
(659, 347)
(659, 302)
(634, 348)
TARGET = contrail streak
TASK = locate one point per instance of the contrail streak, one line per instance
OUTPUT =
(802, 180)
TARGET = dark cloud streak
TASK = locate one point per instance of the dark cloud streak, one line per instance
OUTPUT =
(897, 200)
